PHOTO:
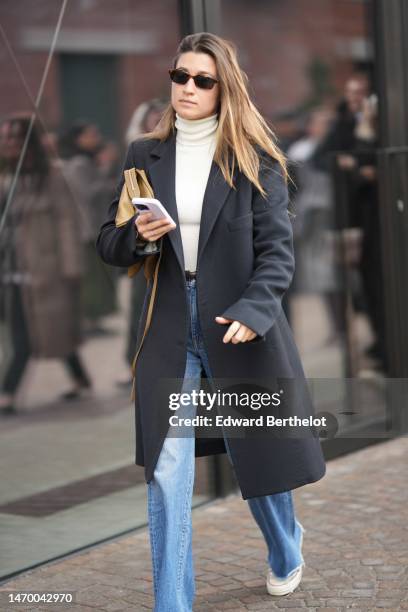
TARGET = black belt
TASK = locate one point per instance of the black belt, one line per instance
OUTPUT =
(190, 275)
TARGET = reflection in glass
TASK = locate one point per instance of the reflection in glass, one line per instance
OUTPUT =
(91, 74)
(42, 258)
(312, 69)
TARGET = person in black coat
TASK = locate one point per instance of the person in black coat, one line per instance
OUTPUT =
(226, 260)
(353, 141)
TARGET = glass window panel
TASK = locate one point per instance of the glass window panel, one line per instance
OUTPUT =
(93, 75)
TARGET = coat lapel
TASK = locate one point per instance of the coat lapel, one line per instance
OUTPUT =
(215, 194)
(163, 179)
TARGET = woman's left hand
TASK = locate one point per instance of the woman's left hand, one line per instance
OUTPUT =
(237, 331)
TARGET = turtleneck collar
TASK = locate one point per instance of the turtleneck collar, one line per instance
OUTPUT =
(196, 131)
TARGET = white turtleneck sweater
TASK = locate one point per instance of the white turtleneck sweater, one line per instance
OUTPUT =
(195, 147)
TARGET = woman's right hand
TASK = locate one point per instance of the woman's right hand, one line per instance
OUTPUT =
(152, 230)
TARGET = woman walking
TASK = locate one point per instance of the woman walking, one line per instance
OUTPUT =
(213, 163)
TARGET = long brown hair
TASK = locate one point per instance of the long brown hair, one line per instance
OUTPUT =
(240, 125)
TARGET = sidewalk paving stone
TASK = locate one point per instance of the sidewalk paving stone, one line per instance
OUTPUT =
(355, 559)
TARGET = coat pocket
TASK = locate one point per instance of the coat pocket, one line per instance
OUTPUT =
(242, 222)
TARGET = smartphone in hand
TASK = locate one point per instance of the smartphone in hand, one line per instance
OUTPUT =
(153, 206)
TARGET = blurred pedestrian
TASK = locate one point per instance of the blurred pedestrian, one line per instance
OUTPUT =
(41, 261)
(87, 164)
(317, 269)
(353, 141)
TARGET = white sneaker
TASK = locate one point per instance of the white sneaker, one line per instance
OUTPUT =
(282, 586)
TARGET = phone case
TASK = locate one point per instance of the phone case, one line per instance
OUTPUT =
(154, 206)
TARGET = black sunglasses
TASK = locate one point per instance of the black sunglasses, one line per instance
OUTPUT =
(181, 77)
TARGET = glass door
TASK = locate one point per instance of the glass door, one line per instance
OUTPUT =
(313, 73)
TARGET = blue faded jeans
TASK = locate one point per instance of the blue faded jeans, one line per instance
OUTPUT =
(170, 496)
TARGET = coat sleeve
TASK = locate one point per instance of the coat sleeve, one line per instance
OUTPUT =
(119, 246)
(274, 264)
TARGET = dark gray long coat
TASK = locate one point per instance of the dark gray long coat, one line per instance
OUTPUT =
(245, 264)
